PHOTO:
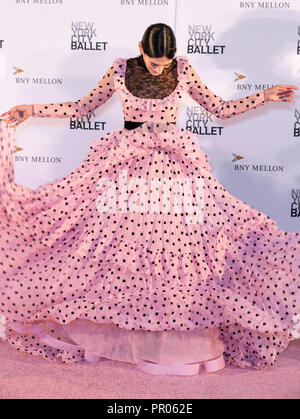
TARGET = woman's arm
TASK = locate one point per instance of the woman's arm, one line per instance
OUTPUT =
(216, 105)
(227, 108)
(87, 104)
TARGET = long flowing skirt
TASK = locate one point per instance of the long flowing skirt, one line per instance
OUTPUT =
(140, 253)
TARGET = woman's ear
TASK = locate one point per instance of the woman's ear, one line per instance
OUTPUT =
(140, 47)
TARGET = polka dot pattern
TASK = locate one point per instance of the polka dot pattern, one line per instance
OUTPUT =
(81, 107)
(64, 260)
(216, 105)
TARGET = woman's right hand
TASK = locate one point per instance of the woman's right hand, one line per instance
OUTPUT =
(17, 114)
(280, 92)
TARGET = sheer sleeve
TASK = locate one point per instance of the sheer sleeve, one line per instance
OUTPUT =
(216, 105)
(87, 104)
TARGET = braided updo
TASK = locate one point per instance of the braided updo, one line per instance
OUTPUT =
(159, 41)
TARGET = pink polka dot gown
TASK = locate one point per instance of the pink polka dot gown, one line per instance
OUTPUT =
(79, 275)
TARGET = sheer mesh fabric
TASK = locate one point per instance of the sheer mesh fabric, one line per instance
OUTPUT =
(141, 83)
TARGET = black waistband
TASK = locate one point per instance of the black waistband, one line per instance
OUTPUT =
(134, 124)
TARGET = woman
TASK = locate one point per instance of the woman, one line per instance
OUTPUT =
(92, 271)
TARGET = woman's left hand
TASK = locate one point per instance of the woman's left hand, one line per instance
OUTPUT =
(282, 92)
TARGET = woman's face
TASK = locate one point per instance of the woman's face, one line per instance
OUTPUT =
(155, 65)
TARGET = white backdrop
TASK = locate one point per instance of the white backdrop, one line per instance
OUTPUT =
(236, 48)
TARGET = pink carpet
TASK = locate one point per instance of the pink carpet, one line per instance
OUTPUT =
(23, 377)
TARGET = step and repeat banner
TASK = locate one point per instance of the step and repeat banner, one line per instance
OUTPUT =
(58, 50)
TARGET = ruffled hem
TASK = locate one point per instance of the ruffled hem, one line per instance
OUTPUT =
(83, 340)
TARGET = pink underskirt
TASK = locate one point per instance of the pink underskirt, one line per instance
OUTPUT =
(165, 347)
(112, 342)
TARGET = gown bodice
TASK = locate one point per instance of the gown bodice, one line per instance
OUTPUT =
(150, 98)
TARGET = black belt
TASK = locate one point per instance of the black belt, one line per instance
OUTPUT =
(134, 124)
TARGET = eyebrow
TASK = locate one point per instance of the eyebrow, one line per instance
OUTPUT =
(165, 65)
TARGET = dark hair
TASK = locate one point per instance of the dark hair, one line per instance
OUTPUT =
(159, 41)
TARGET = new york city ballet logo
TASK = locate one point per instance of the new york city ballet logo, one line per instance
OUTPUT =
(199, 121)
(295, 205)
(297, 123)
(87, 123)
(201, 40)
(183, 196)
(84, 37)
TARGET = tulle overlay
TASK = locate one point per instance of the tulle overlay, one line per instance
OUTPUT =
(103, 281)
